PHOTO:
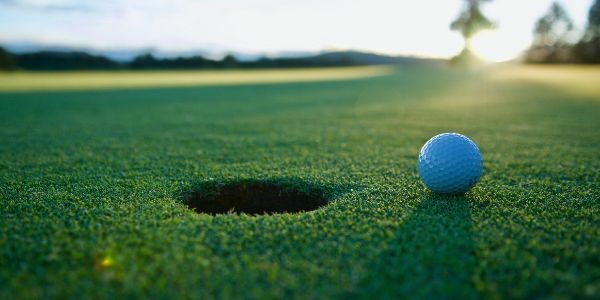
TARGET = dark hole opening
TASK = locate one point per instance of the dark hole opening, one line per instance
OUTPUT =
(255, 198)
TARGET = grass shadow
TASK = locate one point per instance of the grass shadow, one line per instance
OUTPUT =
(430, 256)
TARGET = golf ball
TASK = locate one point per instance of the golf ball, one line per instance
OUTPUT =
(450, 163)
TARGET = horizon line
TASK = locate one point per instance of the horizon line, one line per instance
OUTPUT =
(197, 51)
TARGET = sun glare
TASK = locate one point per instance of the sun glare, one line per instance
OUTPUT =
(495, 46)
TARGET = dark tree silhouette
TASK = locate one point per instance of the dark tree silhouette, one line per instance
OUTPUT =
(551, 37)
(588, 49)
(554, 27)
(149, 62)
(47, 60)
(7, 60)
(54, 60)
(228, 61)
(470, 21)
(593, 28)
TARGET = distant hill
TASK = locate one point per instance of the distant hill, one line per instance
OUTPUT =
(65, 59)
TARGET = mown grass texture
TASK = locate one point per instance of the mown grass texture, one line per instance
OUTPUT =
(91, 187)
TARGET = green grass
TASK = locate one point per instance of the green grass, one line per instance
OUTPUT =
(91, 189)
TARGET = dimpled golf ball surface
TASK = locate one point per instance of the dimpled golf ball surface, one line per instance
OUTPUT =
(450, 163)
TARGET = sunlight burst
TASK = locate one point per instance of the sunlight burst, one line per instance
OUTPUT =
(496, 46)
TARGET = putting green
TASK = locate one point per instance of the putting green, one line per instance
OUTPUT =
(94, 184)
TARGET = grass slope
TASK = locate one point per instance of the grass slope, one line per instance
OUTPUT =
(91, 183)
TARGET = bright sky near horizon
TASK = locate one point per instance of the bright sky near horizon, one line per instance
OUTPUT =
(270, 26)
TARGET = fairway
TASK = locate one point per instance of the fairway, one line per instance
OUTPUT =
(43, 81)
(95, 177)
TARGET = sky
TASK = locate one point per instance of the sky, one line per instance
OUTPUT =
(397, 27)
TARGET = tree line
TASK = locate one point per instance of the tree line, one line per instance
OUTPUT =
(555, 38)
(55, 60)
(555, 41)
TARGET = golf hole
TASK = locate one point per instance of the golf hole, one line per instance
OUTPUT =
(255, 197)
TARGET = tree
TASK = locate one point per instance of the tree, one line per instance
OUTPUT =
(554, 28)
(551, 37)
(588, 48)
(593, 27)
(228, 61)
(470, 21)
(7, 61)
